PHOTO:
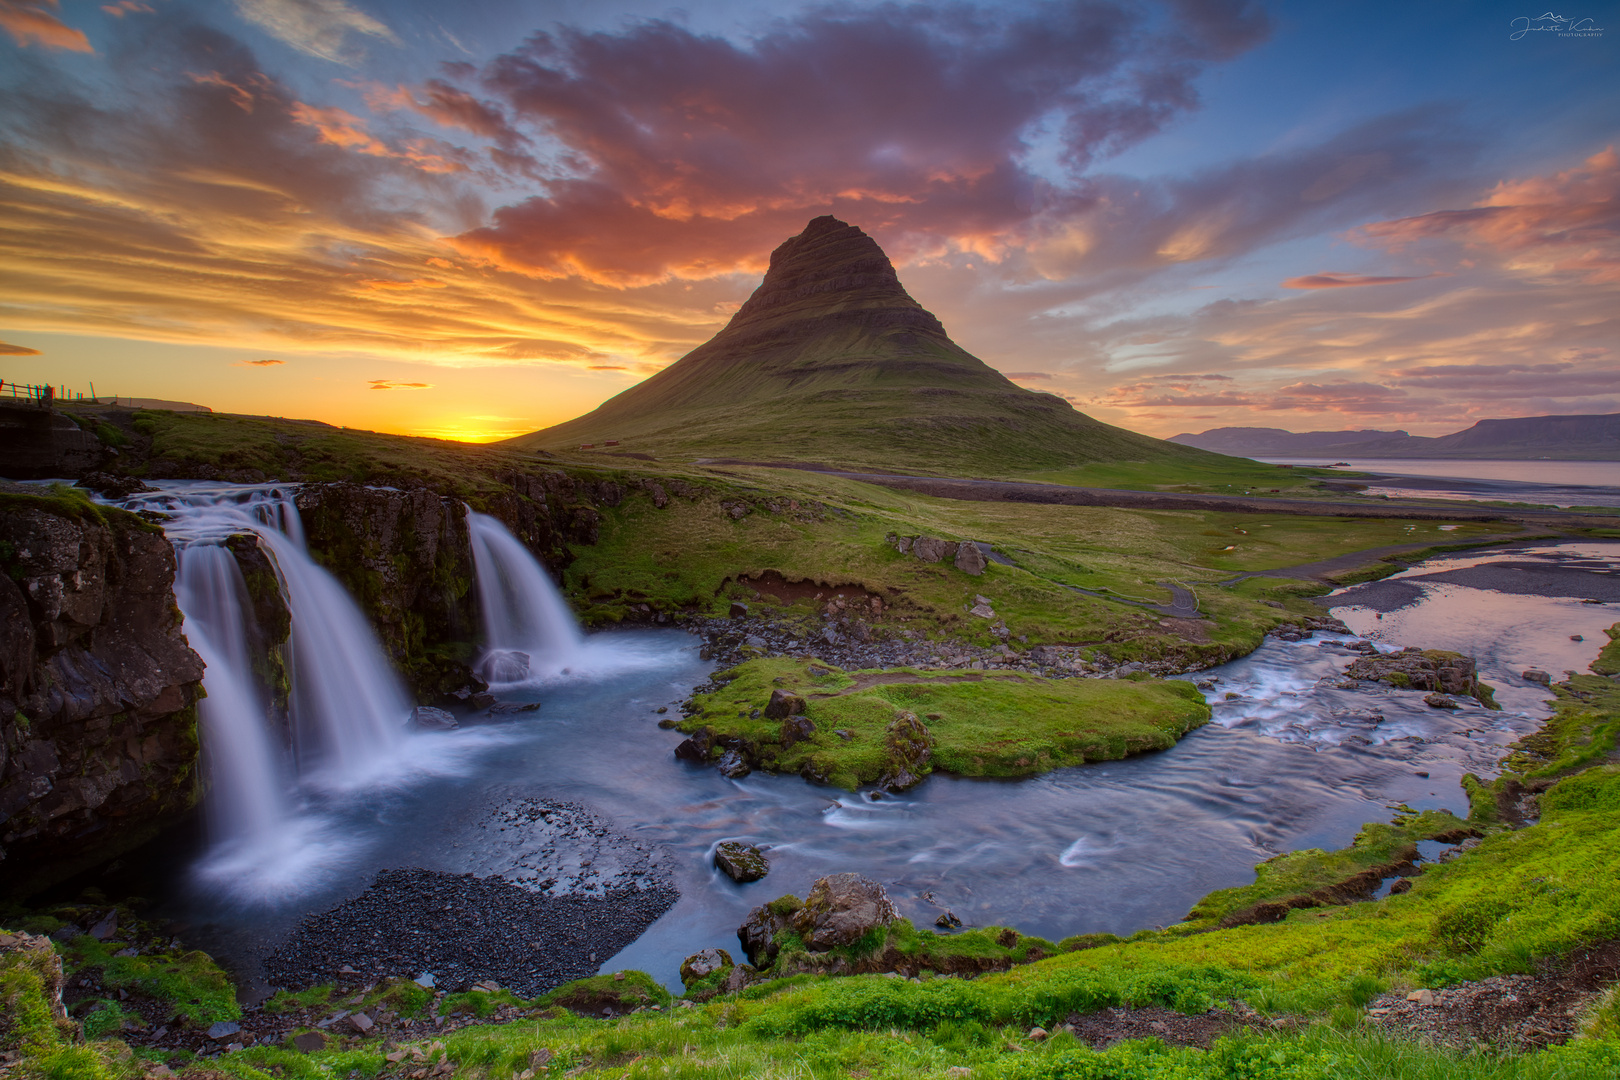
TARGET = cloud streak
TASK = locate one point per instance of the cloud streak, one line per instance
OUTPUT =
(33, 22)
(320, 28)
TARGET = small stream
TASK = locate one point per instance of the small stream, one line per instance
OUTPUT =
(1292, 760)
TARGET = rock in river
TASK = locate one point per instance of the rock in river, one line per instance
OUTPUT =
(701, 965)
(741, 862)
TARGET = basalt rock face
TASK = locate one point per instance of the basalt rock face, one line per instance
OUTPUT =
(98, 689)
(38, 443)
(406, 559)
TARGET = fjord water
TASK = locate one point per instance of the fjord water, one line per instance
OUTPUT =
(1291, 761)
(1546, 483)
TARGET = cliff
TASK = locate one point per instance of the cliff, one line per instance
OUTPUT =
(98, 688)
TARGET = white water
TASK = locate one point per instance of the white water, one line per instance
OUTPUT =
(247, 797)
(529, 632)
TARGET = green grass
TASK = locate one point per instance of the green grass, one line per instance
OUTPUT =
(1298, 874)
(990, 724)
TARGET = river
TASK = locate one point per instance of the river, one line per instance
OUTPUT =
(1290, 761)
(1544, 483)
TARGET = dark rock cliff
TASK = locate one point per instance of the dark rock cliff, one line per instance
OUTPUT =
(98, 688)
(406, 558)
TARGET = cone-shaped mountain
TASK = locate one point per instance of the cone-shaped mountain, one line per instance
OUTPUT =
(831, 360)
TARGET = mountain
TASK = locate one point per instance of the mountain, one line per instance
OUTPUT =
(1275, 441)
(830, 360)
(1594, 437)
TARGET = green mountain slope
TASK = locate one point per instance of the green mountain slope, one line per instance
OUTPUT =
(831, 361)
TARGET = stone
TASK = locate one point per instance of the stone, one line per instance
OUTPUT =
(783, 705)
(1432, 671)
(505, 666)
(1402, 886)
(1439, 701)
(1037, 1034)
(1536, 675)
(362, 1023)
(425, 980)
(970, 559)
(909, 745)
(758, 931)
(1421, 997)
(697, 747)
(223, 1030)
(107, 927)
(754, 641)
(931, 550)
(948, 920)
(700, 965)
(733, 765)
(982, 610)
(796, 729)
(427, 718)
(840, 910)
(830, 635)
(482, 701)
(309, 1042)
(741, 862)
(738, 610)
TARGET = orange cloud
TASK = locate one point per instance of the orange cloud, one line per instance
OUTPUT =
(243, 94)
(7, 349)
(260, 363)
(418, 283)
(126, 7)
(1332, 280)
(1565, 225)
(386, 384)
(30, 22)
(339, 127)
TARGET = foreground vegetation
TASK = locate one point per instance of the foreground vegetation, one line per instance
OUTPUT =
(1517, 902)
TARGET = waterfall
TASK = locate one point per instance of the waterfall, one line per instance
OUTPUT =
(528, 630)
(247, 795)
(348, 706)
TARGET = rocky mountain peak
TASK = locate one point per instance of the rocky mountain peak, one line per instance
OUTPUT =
(830, 267)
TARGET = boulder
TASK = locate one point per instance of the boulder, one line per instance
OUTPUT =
(970, 559)
(427, 718)
(697, 747)
(1538, 676)
(732, 764)
(1431, 670)
(700, 965)
(741, 862)
(840, 910)
(931, 550)
(796, 729)
(738, 610)
(909, 745)
(948, 920)
(1440, 701)
(783, 705)
(758, 931)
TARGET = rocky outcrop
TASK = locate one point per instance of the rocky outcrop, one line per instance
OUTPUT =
(841, 910)
(269, 629)
(700, 965)
(1431, 670)
(98, 688)
(406, 559)
(39, 443)
(967, 556)
(909, 744)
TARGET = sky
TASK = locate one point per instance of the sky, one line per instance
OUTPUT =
(473, 220)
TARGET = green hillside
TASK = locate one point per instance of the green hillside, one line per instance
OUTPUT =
(832, 361)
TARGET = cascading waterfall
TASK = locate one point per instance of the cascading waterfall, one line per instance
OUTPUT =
(528, 629)
(347, 707)
(247, 795)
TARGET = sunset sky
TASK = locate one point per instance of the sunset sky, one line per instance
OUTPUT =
(476, 219)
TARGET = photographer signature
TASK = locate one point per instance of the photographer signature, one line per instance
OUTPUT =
(1549, 21)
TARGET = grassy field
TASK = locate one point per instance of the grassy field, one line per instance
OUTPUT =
(992, 724)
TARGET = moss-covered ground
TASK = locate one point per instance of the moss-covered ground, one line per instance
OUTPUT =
(983, 724)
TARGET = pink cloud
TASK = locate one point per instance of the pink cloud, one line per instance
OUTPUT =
(1563, 225)
(1333, 280)
(30, 22)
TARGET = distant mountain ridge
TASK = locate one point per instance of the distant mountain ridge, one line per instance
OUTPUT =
(831, 360)
(1591, 437)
